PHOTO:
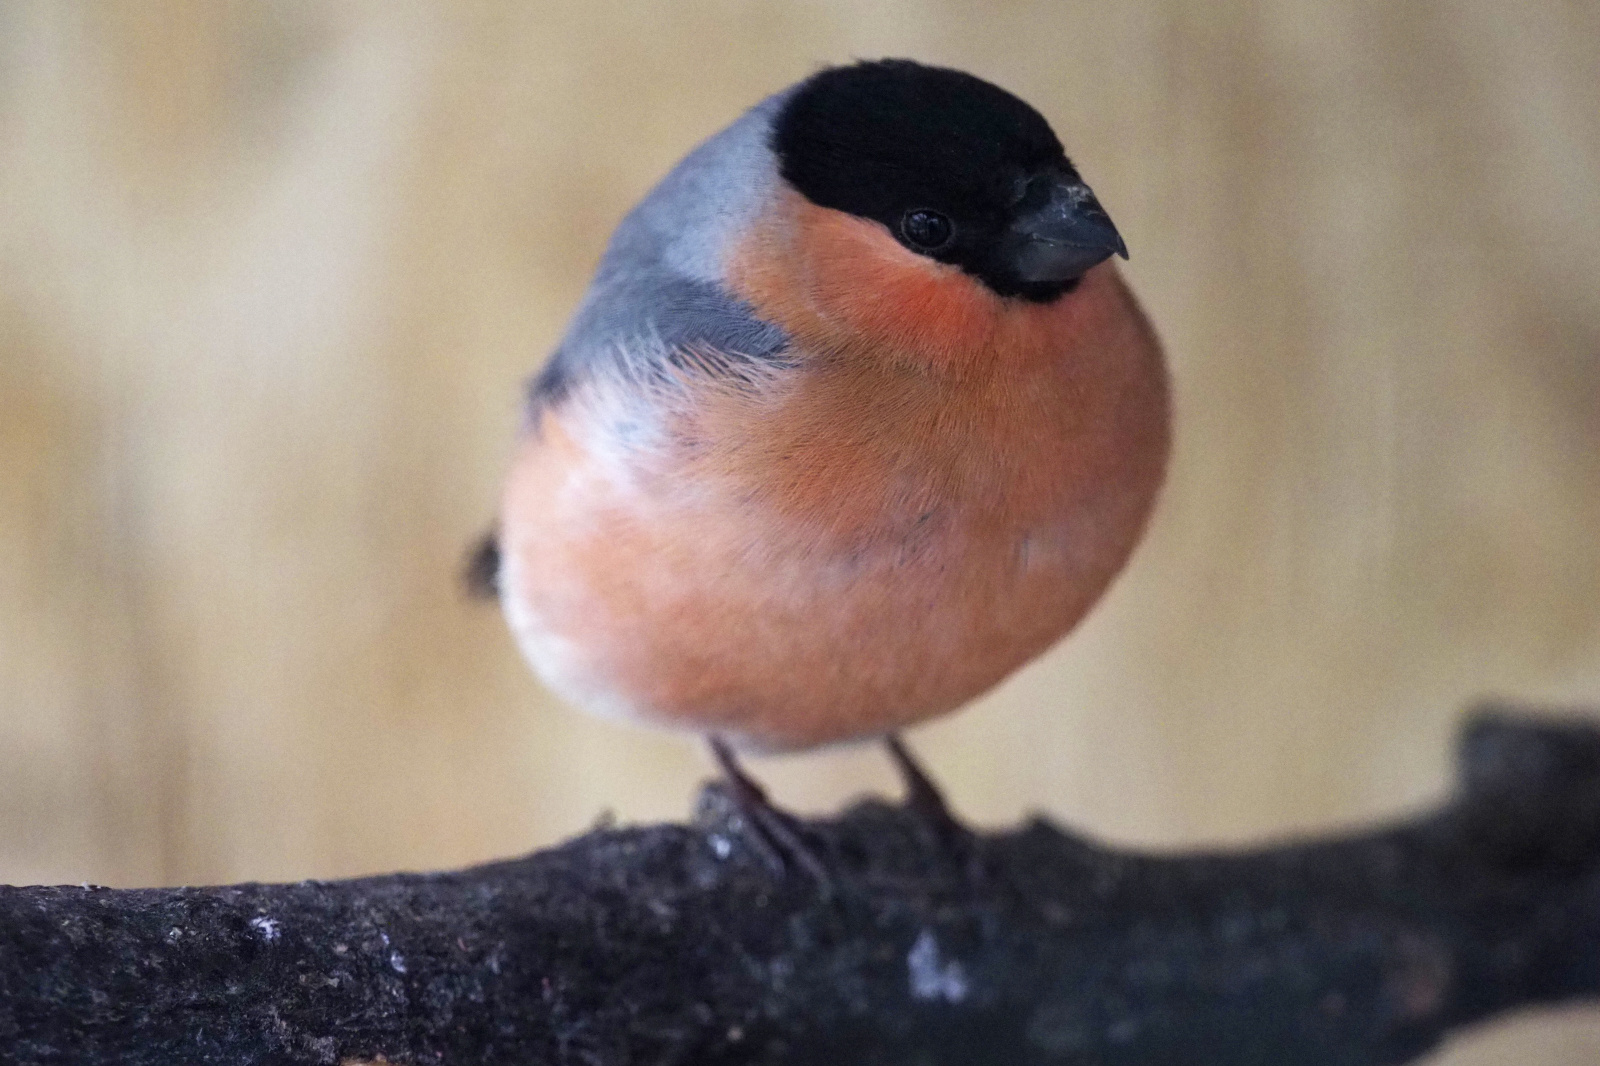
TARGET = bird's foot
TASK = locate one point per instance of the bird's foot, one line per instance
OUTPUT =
(928, 805)
(777, 834)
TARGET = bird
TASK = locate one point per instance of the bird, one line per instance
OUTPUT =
(856, 417)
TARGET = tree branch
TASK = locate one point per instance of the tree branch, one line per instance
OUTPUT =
(679, 945)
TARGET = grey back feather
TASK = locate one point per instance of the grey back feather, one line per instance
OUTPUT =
(659, 291)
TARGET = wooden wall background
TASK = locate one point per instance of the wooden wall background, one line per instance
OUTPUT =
(271, 272)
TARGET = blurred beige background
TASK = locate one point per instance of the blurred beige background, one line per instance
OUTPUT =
(271, 274)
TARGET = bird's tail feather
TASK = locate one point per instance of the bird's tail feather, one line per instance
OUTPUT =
(480, 572)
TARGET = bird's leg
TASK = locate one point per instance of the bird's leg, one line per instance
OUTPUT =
(923, 796)
(777, 833)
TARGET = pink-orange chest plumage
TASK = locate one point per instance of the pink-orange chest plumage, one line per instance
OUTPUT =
(939, 486)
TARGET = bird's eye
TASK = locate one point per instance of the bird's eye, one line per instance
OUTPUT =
(926, 231)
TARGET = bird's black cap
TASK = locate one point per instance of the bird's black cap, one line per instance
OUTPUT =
(956, 168)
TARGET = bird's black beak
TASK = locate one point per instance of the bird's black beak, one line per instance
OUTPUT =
(1059, 231)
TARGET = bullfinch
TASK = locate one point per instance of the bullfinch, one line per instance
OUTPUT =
(856, 418)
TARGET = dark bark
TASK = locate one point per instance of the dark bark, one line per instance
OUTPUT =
(678, 944)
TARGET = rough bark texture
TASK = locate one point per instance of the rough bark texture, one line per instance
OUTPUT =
(679, 944)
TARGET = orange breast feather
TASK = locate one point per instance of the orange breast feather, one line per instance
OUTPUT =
(941, 486)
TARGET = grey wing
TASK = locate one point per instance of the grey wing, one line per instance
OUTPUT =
(648, 322)
(658, 290)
